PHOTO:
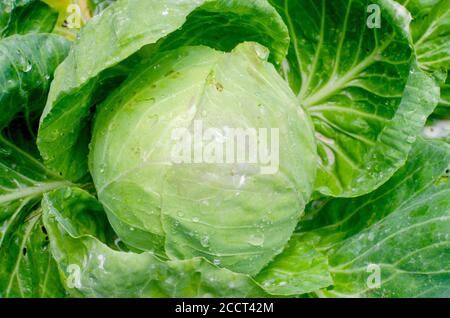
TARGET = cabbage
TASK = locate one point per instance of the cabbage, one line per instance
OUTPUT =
(224, 148)
(236, 213)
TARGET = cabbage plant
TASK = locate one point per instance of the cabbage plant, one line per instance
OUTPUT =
(224, 148)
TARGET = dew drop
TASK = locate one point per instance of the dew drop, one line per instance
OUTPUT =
(28, 68)
(205, 241)
(261, 52)
(68, 193)
(101, 259)
(411, 139)
(268, 282)
(256, 240)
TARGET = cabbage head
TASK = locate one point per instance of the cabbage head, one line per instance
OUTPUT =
(238, 214)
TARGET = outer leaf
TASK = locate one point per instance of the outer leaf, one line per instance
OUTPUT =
(431, 32)
(403, 227)
(431, 37)
(26, 267)
(23, 179)
(367, 101)
(100, 5)
(27, 64)
(127, 26)
(93, 269)
(300, 269)
(398, 16)
(443, 109)
(25, 16)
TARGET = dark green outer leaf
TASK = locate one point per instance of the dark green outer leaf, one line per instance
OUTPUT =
(367, 98)
(25, 16)
(27, 63)
(125, 27)
(430, 29)
(26, 266)
(443, 109)
(23, 179)
(403, 227)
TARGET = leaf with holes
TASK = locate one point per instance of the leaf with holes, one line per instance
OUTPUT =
(26, 266)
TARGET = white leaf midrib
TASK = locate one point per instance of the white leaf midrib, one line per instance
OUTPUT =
(38, 189)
